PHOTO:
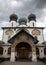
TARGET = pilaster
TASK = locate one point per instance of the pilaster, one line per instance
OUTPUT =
(34, 57)
(12, 59)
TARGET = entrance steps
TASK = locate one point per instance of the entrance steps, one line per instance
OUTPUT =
(21, 63)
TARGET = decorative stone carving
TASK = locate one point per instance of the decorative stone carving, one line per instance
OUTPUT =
(9, 32)
(35, 32)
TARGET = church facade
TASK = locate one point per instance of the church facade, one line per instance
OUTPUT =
(22, 41)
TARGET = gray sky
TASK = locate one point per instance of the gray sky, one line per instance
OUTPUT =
(23, 8)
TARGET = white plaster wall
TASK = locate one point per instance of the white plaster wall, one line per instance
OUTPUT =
(40, 37)
(34, 57)
(5, 37)
(31, 23)
(12, 59)
(14, 23)
(5, 51)
(41, 52)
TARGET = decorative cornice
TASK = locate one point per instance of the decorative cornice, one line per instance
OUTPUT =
(22, 27)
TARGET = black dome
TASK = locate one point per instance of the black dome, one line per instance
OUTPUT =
(13, 17)
(32, 17)
(22, 21)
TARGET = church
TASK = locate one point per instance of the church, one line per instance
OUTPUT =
(22, 41)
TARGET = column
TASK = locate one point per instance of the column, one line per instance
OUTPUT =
(41, 52)
(30, 54)
(12, 59)
(15, 54)
(34, 57)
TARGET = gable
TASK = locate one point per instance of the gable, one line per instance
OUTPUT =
(22, 36)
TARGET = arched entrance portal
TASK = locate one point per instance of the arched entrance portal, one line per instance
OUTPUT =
(23, 50)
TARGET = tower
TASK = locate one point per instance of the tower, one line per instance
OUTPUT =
(32, 20)
(13, 20)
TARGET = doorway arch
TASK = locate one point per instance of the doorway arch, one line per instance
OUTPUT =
(23, 50)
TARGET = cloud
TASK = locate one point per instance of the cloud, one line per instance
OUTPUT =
(40, 4)
(16, 4)
(21, 7)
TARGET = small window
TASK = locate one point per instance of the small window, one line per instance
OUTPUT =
(12, 23)
(33, 24)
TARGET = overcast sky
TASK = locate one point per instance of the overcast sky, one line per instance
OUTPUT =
(23, 8)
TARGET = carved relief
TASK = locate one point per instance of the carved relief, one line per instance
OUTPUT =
(35, 32)
(9, 32)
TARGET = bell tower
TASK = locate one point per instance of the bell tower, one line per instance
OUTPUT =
(13, 20)
(32, 20)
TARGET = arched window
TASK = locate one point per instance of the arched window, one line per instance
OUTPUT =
(45, 51)
(1, 51)
(12, 23)
(33, 24)
(37, 51)
(9, 50)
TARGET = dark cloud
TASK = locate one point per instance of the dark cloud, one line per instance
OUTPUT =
(40, 4)
(29, 6)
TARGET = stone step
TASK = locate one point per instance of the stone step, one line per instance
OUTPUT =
(21, 63)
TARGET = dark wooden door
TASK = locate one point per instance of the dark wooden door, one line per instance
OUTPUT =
(23, 53)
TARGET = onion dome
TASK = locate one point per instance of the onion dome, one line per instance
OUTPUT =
(22, 21)
(32, 17)
(13, 17)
